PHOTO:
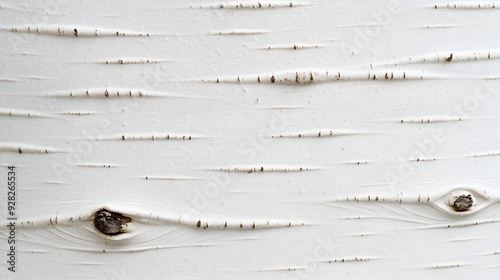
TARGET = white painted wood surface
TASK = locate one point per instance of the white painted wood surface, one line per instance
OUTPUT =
(247, 140)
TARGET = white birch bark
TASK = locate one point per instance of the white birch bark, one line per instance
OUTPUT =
(251, 140)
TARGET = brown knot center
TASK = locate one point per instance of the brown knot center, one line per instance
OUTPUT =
(463, 203)
(110, 223)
